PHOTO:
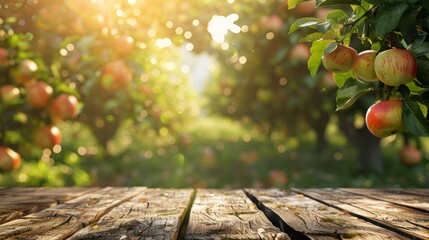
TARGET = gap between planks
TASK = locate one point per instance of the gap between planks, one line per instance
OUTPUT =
(405, 221)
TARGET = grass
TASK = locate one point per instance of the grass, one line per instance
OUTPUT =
(210, 152)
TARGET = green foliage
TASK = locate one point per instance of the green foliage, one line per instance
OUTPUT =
(388, 24)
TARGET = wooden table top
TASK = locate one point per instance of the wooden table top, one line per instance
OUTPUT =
(148, 213)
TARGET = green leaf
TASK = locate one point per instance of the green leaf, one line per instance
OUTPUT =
(312, 37)
(423, 72)
(425, 4)
(292, 3)
(315, 59)
(304, 22)
(350, 92)
(341, 78)
(422, 49)
(337, 16)
(338, 2)
(408, 25)
(330, 48)
(388, 16)
(414, 120)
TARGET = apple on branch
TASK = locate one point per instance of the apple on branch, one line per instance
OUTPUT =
(46, 136)
(395, 67)
(384, 118)
(123, 44)
(115, 75)
(64, 107)
(4, 58)
(9, 94)
(25, 71)
(410, 155)
(340, 59)
(38, 93)
(363, 66)
(9, 159)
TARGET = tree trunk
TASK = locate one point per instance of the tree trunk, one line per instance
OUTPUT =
(368, 146)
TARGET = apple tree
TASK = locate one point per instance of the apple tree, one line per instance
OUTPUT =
(29, 98)
(99, 64)
(378, 51)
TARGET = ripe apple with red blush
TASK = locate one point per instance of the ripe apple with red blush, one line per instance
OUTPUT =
(9, 159)
(410, 155)
(4, 57)
(363, 66)
(123, 44)
(395, 67)
(115, 75)
(46, 136)
(277, 178)
(38, 93)
(299, 53)
(25, 71)
(271, 23)
(64, 107)
(305, 9)
(384, 118)
(339, 60)
(9, 94)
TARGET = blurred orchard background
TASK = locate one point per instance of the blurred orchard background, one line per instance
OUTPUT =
(181, 93)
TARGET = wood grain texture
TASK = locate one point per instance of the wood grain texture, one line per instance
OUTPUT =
(228, 214)
(17, 202)
(152, 214)
(62, 220)
(409, 222)
(394, 196)
(317, 220)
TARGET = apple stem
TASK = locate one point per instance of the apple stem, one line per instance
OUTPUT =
(380, 90)
(387, 92)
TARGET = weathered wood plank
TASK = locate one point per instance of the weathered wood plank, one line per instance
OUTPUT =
(152, 214)
(61, 221)
(17, 202)
(408, 222)
(317, 220)
(228, 214)
(394, 196)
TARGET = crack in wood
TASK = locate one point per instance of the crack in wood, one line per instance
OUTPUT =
(185, 221)
(276, 220)
(372, 221)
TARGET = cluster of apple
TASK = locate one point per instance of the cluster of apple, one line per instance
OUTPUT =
(393, 67)
(22, 95)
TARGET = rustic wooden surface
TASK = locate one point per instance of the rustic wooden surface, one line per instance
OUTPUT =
(147, 213)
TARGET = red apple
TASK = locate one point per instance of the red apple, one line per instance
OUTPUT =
(46, 136)
(123, 44)
(410, 155)
(271, 23)
(299, 52)
(327, 80)
(64, 107)
(38, 93)
(395, 67)
(363, 66)
(384, 118)
(305, 9)
(4, 57)
(9, 94)
(340, 60)
(9, 159)
(115, 75)
(322, 13)
(277, 178)
(24, 73)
